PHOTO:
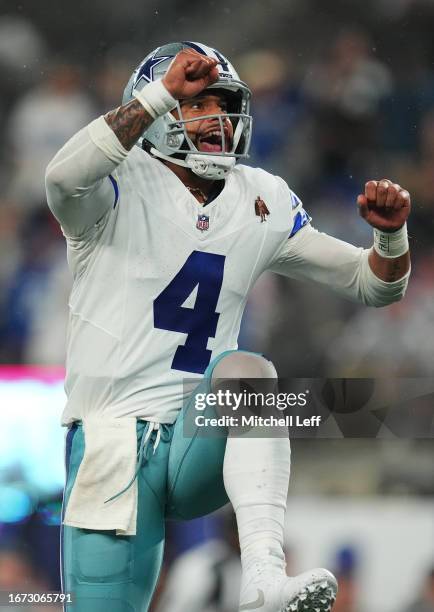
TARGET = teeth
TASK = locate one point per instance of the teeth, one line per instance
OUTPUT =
(213, 133)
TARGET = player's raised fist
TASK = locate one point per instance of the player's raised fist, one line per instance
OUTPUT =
(190, 73)
(384, 205)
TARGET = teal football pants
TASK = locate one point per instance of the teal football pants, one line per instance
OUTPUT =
(183, 479)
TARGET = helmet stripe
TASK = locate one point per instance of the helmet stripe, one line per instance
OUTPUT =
(210, 52)
(195, 47)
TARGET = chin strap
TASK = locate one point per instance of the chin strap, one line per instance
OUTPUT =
(212, 167)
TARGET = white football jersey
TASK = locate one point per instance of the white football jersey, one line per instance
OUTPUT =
(160, 284)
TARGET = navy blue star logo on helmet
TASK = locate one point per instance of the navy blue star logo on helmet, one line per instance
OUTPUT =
(146, 71)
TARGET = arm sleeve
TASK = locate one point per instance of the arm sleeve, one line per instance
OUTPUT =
(312, 255)
(80, 189)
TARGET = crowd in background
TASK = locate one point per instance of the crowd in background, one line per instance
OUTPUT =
(336, 101)
(341, 94)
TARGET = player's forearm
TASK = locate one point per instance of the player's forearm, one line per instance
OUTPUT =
(389, 269)
(386, 206)
(312, 255)
(129, 122)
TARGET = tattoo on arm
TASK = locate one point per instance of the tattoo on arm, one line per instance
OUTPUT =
(129, 122)
(395, 270)
(389, 270)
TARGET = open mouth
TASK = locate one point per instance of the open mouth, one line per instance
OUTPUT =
(211, 142)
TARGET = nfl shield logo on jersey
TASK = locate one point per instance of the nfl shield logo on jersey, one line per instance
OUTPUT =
(202, 222)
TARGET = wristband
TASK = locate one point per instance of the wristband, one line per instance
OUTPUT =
(391, 244)
(155, 98)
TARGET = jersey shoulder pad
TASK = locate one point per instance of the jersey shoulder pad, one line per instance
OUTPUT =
(254, 176)
(138, 158)
(258, 184)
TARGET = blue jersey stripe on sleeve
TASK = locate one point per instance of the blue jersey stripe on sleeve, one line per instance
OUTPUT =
(301, 219)
(116, 188)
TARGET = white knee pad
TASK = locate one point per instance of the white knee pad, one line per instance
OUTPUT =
(241, 371)
(241, 364)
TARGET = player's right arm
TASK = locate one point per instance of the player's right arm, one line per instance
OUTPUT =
(188, 75)
(79, 190)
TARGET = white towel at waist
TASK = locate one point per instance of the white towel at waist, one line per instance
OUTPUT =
(108, 465)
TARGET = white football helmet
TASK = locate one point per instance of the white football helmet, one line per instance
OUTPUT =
(167, 136)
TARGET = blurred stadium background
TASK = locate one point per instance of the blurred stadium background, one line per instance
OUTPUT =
(343, 92)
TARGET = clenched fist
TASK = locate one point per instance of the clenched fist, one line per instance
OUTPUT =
(384, 205)
(189, 74)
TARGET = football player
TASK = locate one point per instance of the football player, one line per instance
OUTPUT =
(165, 236)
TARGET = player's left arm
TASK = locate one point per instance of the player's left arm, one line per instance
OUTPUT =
(386, 207)
(375, 277)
